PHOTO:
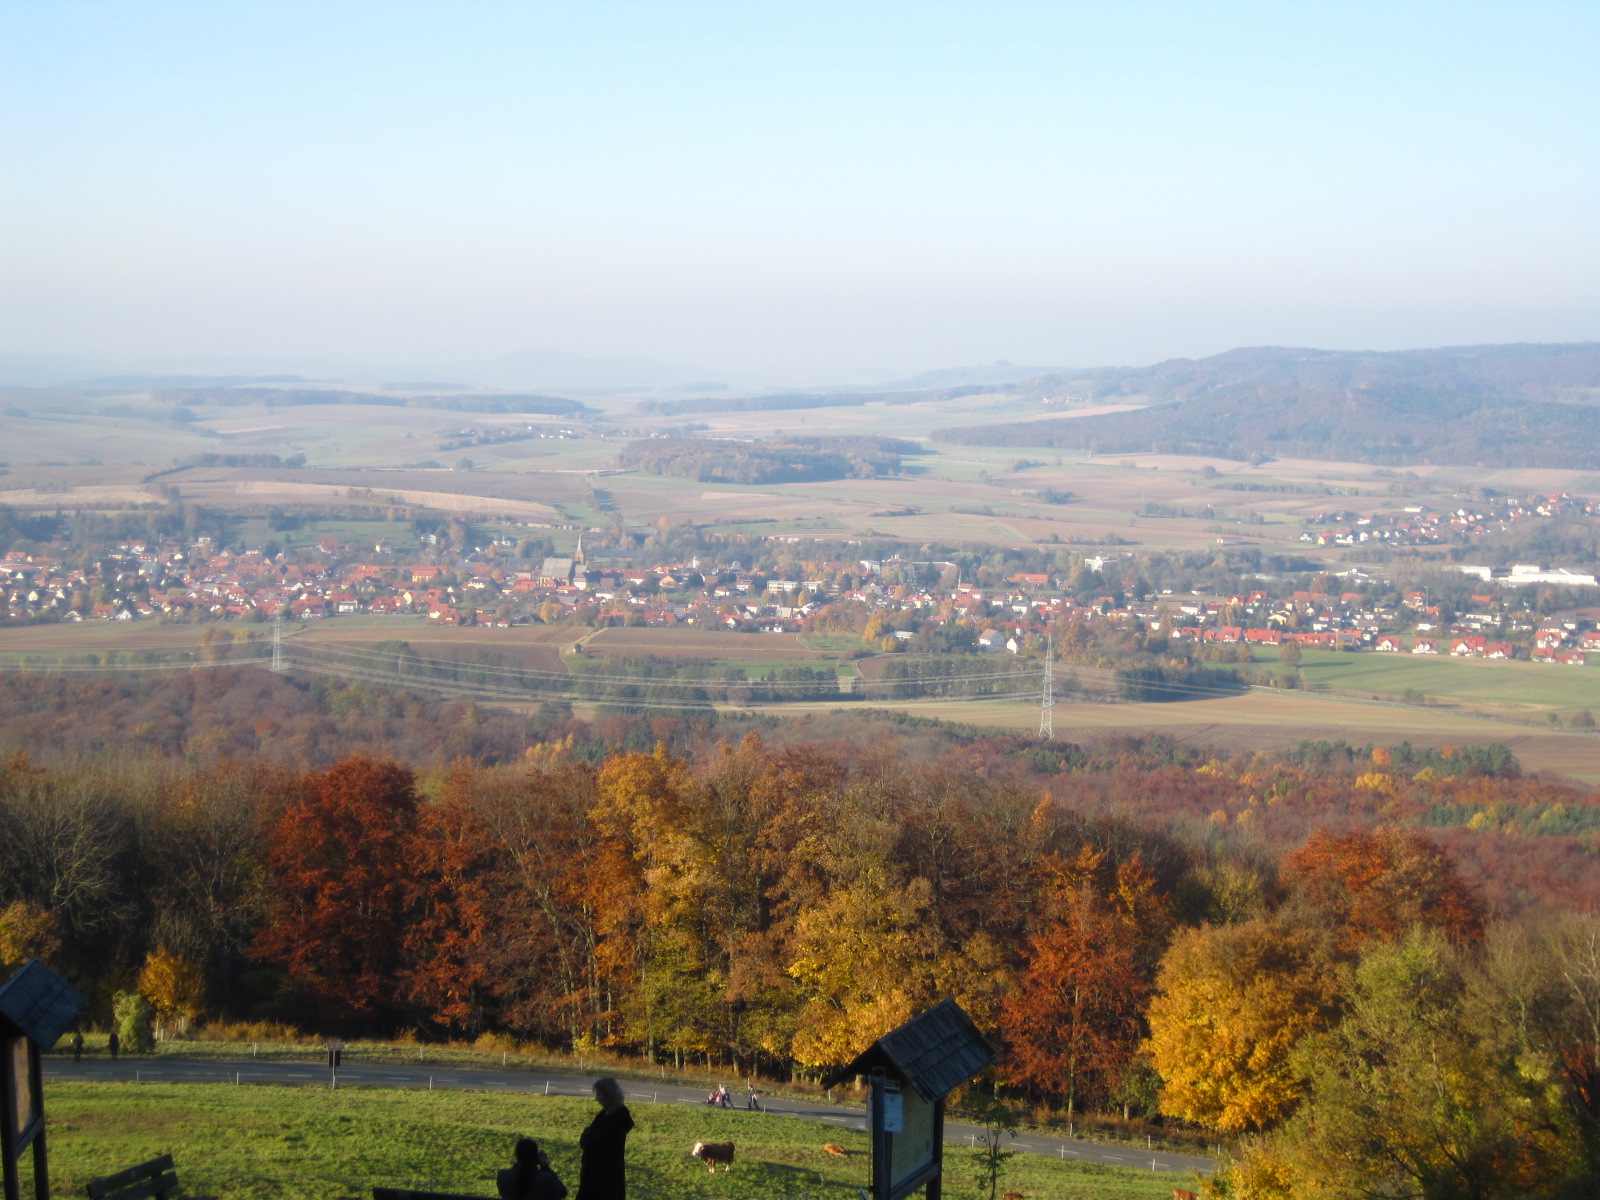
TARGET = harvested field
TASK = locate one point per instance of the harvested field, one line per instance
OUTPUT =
(537, 647)
(75, 496)
(259, 491)
(534, 646)
(101, 636)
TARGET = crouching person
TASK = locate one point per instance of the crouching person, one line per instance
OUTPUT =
(529, 1177)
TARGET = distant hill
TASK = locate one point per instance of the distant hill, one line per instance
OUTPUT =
(1519, 405)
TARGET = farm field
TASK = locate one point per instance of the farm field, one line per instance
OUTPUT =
(255, 1143)
(386, 449)
(1501, 685)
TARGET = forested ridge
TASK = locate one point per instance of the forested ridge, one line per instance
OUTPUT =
(1524, 406)
(1345, 943)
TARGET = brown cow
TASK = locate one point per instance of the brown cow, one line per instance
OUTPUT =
(836, 1150)
(1182, 1194)
(712, 1153)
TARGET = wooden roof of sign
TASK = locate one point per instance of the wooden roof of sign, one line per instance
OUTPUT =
(935, 1052)
(38, 1004)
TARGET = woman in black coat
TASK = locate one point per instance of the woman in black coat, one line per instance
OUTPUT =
(602, 1175)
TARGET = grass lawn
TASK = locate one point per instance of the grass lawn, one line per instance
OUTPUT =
(260, 1142)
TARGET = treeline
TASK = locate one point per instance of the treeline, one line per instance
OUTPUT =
(558, 406)
(293, 462)
(1162, 682)
(787, 460)
(650, 681)
(904, 679)
(776, 908)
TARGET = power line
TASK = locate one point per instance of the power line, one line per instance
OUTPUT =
(1047, 700)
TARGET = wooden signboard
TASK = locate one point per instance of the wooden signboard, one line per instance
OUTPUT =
(36, 1007)
(910, 1071)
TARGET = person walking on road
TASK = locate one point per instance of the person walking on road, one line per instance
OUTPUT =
(602, 1175)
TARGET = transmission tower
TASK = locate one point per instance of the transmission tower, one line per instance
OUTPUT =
(277, 642)
(1047, 695)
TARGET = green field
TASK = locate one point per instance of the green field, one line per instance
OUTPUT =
(261, 1142)
(1477, 681)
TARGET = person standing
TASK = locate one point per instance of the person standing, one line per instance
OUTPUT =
(602, 1175)
(113, 1043)
(77, 1045)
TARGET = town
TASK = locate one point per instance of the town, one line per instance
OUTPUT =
(793, 584)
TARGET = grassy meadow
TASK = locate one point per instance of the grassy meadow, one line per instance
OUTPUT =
(264, 1142)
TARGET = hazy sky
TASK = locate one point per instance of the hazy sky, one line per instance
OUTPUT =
(795, 191)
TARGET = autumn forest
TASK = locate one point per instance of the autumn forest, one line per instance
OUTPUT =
(1326, 954)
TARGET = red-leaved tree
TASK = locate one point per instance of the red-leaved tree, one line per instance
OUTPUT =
(339, 860)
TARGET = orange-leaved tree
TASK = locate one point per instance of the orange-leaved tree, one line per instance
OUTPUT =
(1375, 884)
(1072, 1021)
(340, 858)
(452, 909)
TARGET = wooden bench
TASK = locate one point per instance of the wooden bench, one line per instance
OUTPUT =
(157, 1178)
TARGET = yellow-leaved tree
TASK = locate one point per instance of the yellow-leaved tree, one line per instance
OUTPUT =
(871, 956)
(1232, 1002)
(175, 989)
(26, 931)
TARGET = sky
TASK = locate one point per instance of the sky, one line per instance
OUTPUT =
(794, 192)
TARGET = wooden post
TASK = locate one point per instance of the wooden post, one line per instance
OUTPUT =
(41, 1159)
(881, 1182)
(8, 1126)
(935, 1186)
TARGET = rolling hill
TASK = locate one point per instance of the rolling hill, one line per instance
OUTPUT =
(1517, 405)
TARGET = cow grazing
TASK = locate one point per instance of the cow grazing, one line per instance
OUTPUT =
(836, 1150)
(712, 1153)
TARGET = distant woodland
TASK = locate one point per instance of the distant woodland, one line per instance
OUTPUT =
(776, 460)
(1529, 406)
(283, 397)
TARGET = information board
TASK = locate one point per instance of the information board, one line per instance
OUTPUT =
(911, 1147)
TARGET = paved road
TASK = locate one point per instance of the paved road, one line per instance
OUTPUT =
(164, 1069)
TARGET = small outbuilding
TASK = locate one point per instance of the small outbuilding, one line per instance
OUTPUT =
(911, 1070)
